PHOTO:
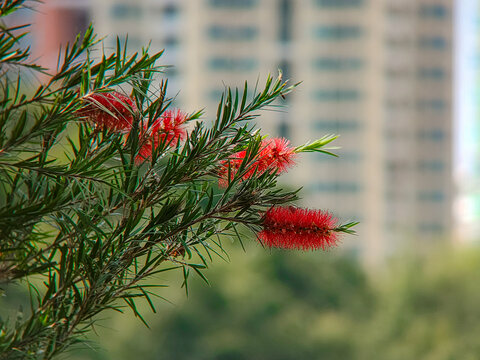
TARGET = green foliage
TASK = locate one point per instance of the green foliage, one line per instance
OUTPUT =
(84, 226)
(286, 306)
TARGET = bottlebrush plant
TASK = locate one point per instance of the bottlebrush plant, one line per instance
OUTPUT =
(101, 189)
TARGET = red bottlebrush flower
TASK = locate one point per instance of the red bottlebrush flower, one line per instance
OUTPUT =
(167, 128)
(233, 163)
(274, 155)
(112, 110)
(297, 228)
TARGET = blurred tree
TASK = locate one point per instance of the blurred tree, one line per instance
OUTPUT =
(428, 309)
(300, 307)
(261, 307)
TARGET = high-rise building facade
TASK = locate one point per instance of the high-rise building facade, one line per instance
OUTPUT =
(379, 73)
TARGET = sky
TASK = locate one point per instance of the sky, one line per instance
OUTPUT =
(466, 125)
(466, 60)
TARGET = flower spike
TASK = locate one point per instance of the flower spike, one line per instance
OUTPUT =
(297, 228)
(168, 128)
(111, 110)
(274, 155)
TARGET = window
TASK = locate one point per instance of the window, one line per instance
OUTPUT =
(431, 165)
(284, 130)
(285, 23)
(233, 3)
(125, 11)
(338, 32)
(435, 196)
(432, 104)
(232, 64)
(428, 73)
(337, 187)
(230, 33)
(433, 42)
(436, 135)
(171, 41)
(432, 227)
(171, 10)
(336, 95)
(336, 125)
(435, 11)
(337, 64)
(339, 3)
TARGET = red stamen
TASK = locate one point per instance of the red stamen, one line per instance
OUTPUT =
(112, 111)
(168, 128)
(274, 155)
(296, 228)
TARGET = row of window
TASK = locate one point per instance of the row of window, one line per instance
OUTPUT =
(436, 135)
(219, 32)
(433, 42)
(432, 104)
(232, 64)
(338, 64)
(438, 11)
(431, 166)
(433, 73)
(337, 95)
(337, 187)
(434, 165)
(431, 196)
(336, 125)
(426, 228)
(123, 11)
(333, 94)
(428, 196)
(335, 64)
(434, 11)
(424, 42)
(237, 4)
(421, 105)
(339, 3)
(338, 32)
(334, 32)
(424, 73)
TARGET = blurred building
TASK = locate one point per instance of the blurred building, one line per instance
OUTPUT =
(379, 73)
(54, 24)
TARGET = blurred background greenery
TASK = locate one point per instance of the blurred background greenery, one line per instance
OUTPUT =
(283, 305)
